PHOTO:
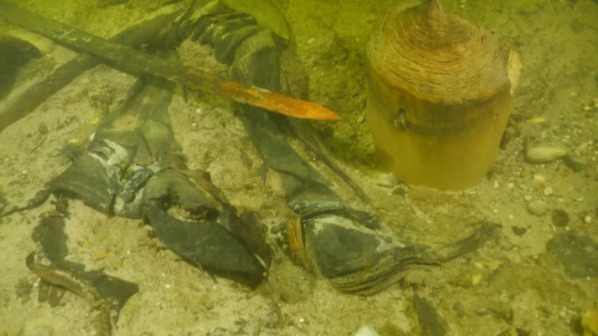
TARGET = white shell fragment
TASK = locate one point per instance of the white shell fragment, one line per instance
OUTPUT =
(545, 154)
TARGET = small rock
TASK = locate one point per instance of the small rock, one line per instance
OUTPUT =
(576, 163)
(401, 189)
(366, 331)
(583, 147)
(23, 290)
(386, 181)
(560, 218)
(272, 320)
(577, 252)
(459, 308)
(545, 154)
(43, 128)
(537, 207)
(476, 278)
(518, 230)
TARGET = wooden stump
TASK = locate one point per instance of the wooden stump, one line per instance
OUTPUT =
(440, 94)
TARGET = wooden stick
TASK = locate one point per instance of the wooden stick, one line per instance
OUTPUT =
(136, 62)
(15, 108)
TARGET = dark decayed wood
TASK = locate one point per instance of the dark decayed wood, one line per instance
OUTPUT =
(145, 33)
(131, 60)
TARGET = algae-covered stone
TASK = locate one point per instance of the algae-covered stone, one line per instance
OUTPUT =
(545, 154)
(577, 252)
(560, 218)
(537, 207)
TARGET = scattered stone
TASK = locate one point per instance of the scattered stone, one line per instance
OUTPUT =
(272, 320)
(587, 219)
(545, 154)
(518, 230)
(560, 218)
(43, 128)
(577, 253)
(386, 181)
(23, 289)
(548, 191)
(366, 331)
(475, 279)
(400, 190)
(583, 147)
(576, 163)
(537, 207)
(459, 308)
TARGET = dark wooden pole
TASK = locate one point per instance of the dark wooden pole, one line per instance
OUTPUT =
(136, 62)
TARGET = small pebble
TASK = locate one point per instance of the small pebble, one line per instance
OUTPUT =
(386, 181)
(545, 154)
(587, 219)
(548, 191)
(476, 278)
(560, 218)
(366, 331)
(459, 308)
(272, 320)
(518, 230)
(583, 147)
(399, 191)
(527, 198)
(574, 162)
(537, 207)
(43, 128)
